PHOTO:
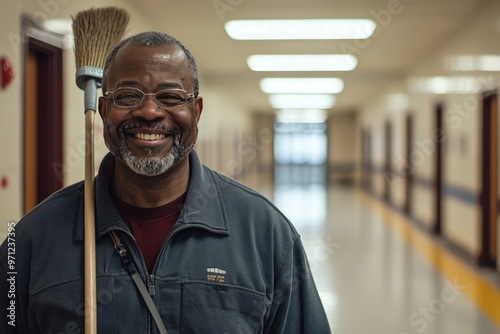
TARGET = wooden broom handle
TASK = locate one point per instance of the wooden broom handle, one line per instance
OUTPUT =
(89, 229)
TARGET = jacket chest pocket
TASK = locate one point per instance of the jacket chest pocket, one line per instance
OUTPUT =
(218, 308)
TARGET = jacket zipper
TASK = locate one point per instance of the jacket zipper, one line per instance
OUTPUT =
(151, 285)
(174, 231)
(150, 277)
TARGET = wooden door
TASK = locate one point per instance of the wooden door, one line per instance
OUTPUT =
(438, 172)
(489, 194)
(408, 168)
(42, 124)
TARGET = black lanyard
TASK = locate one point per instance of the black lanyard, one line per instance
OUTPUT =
(129, 265)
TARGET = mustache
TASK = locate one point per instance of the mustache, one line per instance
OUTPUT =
(122, 128)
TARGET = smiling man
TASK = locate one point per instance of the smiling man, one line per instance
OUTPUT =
(212, 255)
(150, 110)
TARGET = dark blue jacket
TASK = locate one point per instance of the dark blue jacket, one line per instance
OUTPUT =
(232, 264)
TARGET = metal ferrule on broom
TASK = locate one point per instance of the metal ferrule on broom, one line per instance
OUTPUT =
(89, 78)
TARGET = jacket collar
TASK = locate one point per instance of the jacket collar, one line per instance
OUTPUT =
(203, 206)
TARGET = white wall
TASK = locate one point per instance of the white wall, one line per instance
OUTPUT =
(462, 160)
(10, 100)
(342, 146)
(223, 127)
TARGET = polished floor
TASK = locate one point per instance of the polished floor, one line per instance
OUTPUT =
(377, 273)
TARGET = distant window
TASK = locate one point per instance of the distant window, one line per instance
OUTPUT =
(300, 143)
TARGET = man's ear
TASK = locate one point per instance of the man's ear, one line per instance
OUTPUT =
(198, 108)
(102, 107)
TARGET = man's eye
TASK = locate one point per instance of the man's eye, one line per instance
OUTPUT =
(169, 98)
(128, 96)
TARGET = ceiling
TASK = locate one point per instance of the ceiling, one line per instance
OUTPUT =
(409, 31)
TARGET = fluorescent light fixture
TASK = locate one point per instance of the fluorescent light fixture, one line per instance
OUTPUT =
(302, 85)
(445, 85)
(333, 62)
(473, 63)
(301, 115)
(60, 26)
(301, 101)
(300, 29)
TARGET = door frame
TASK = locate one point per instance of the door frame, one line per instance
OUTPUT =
(42, 113)
(408, 168)
(388, 161)
(437, 227)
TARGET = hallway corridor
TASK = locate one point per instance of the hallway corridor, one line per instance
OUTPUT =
(377, 273)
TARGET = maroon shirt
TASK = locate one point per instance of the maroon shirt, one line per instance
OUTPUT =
(150, 226)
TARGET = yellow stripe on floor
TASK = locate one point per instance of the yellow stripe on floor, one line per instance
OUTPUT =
(484, 294)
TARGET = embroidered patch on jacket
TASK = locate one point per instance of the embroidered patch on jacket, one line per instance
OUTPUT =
(216, 275)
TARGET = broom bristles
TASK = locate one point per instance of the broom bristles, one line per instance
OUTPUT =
(96, 31)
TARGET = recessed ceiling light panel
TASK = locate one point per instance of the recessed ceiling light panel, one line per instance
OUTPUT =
(301, 115)
(302, 85)
(300, 29)
(473, 63)
(315, 62)
(301, 101)
(445, 85)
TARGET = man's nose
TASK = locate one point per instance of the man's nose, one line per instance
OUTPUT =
(149, 109)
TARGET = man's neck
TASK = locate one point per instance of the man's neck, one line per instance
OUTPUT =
(150, 191)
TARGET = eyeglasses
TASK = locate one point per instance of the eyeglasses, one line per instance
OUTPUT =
(130, 97)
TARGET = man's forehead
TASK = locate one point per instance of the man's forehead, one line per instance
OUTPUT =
(149, 64)
(149, 57)
(163, 52)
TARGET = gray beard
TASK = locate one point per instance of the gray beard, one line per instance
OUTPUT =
(147, 166)
(154, 166)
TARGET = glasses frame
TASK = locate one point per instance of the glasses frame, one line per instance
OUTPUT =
(189, 96)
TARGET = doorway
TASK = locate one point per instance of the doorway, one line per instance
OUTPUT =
(367, 164)
(488, 255)
(300, 182)
(438, 171)
(300, 152)
(408, 168)
(42, 119)
(387, 161)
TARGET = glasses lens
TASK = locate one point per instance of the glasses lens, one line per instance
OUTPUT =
(133, 97)
(125, 97)
(171, 97)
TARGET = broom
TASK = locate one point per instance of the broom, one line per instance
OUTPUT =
(96, 32)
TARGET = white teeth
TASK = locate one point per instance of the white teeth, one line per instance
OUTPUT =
(147, 136)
